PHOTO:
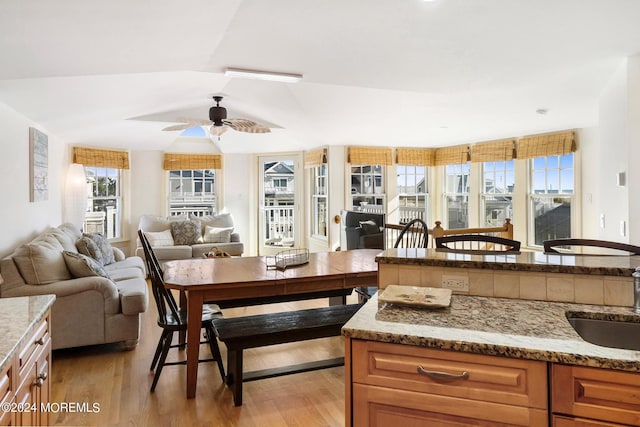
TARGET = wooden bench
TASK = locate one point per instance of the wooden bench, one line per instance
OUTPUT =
(240, 333)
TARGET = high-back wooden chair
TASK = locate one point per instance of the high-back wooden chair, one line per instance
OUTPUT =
(172, 318)
(477, 243)
(551, 245)
(415, 234)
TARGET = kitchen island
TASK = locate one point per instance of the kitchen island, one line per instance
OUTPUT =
(508, 349)
(25, 359)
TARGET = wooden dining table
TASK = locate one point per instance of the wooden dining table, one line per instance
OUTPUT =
(248, 278)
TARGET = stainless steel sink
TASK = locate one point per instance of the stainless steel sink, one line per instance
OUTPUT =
(608, 333)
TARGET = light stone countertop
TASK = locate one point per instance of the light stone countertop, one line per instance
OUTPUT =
(607, 265)
(521, 329)
(18, 317)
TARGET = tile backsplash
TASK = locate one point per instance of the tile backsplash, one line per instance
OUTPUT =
(585, 289)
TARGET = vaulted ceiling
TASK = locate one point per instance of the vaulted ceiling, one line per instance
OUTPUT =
(376, 72)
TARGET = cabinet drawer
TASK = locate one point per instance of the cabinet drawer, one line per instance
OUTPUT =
(34, 345)
(600, 394)
(373, 405)
(490, 378)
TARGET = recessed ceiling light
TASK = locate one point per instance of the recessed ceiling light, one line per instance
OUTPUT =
(263, 75)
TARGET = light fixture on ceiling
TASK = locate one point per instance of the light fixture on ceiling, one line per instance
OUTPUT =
(542, 111)
(263, 75)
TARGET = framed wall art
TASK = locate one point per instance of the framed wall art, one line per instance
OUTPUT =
(38, 165)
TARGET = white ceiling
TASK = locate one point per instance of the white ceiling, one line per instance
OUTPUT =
(376, 72)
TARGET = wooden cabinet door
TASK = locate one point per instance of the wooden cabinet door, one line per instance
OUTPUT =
(598, 394)
(26, 398)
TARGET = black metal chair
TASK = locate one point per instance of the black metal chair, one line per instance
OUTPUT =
(415, 234)
(550, 245)
(172, 318)
(477, 243)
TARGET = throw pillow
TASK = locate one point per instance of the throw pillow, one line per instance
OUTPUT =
(186, 232)
(369, 227)
(82, 266)
(41, 262)
(223, 220)
(159, 238)
(105, 247)
(88, 247)
(217, 235)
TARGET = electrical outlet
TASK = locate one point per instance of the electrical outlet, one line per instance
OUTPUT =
(456, 283)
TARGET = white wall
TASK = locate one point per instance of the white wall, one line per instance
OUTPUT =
(609, 157)
(633, 134)
(239, 183)
(20, 219)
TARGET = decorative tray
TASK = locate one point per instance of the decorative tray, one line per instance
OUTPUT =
(288, 258)
(416, 296)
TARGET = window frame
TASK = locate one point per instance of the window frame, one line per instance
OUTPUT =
(446, 193)
(376, 196)
(406, 195)
(545, 194)
(484, 194)
(117, 228)
(319, 192)
(204, 202)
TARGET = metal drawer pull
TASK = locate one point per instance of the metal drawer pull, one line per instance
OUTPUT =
(39, 382)
(437, 375)
(40, 341)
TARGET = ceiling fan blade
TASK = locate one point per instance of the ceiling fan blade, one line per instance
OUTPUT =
(194, 122)
(178, 127)
(218, 130)
(248, 126)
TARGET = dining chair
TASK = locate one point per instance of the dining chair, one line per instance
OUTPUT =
(172, 318)
(611, 247)
(478, 243)
(415, 234)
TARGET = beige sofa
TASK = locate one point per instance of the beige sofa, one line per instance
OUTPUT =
(182, 237)
(89, 308)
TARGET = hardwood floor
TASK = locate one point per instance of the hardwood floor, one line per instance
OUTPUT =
(119, 381)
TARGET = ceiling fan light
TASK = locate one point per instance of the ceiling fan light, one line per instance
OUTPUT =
(263, 75)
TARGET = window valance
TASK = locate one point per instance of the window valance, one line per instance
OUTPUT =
(415, 156)
(315, 158)
(370, 156)
(101, 158)
(493, 151)
(550, 144)
(175, 161)
(452, 155)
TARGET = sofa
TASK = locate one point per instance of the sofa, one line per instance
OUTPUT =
(362, 230)
(100, 293)
(184, 237)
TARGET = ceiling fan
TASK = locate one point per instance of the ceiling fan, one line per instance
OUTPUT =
(219, 122)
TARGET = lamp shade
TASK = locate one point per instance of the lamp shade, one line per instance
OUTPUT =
(75, 195)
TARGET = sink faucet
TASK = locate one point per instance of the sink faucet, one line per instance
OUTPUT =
(636, 290)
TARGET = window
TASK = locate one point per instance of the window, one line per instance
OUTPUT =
(104, 208)
(367, 188)
(550, 197)
(497, 193)
(412, 193)
(456, 197)
(319, 201)
(192, 192)
(280, 183)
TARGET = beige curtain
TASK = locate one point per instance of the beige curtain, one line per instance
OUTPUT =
(370, 156)
(174, 161)
(452, 155)
(550, 144)
(315, 158)
(101, 158)
(415, 156)
(493, 151)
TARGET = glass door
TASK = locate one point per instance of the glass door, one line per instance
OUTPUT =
(280, 184)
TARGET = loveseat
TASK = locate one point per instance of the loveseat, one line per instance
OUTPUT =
(184, 237)
(100, 294)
